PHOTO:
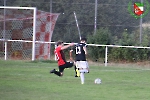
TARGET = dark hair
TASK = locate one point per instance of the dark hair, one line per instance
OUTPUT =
(83, 39)
(59, 43)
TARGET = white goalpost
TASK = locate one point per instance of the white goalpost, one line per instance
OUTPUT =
(34, 26)
(26, 32)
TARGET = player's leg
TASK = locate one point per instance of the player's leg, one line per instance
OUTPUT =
(55, 72)
(81, 76)
(82, 72)
(61, 70)
(68, 65)
(79, 66)
(58, 73)
(71, 64)
(77, 73)
(62, 67)
(83, 68)
(75, 68)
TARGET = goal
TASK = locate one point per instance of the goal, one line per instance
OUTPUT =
(25, 32)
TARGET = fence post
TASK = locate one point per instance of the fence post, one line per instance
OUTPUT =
(106, 58)
(54, 54)
(5, 50)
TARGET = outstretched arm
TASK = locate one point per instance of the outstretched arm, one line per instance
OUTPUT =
(66, 46)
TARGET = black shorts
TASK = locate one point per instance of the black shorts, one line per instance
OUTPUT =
(66, 65)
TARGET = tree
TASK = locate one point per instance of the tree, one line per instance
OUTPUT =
(102, 37)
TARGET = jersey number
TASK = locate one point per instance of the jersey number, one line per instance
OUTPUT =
(57, 57)
(78, 50)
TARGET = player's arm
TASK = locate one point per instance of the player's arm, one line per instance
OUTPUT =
(66, 46)
(70, 54)
(85, 50)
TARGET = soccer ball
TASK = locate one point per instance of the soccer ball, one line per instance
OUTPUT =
(97, 81)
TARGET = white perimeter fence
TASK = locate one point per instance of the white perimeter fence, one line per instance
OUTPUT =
(97, 45)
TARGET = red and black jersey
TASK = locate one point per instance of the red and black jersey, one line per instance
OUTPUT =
(60, 56)
(80, 54)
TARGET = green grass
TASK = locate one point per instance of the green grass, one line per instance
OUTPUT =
(25, 80)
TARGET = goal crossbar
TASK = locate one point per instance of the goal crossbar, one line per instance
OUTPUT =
(12, 7)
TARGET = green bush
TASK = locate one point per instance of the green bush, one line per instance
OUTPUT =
(119, 54)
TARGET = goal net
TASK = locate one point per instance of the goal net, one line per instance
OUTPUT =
(21, 31)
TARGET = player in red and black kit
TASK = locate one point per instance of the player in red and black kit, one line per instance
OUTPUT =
(62, 64)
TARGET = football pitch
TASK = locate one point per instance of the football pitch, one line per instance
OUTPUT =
(26, 80)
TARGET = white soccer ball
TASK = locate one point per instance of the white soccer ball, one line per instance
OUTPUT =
(97, 81)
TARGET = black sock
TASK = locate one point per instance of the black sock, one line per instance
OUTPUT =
(57, 73)
(75, 69)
